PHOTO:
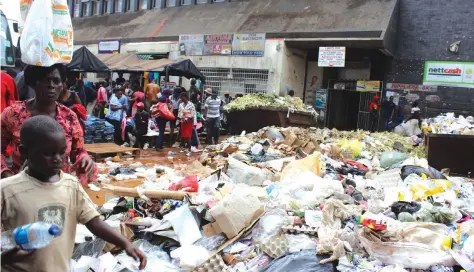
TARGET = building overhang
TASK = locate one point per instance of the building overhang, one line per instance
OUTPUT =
(302, 23)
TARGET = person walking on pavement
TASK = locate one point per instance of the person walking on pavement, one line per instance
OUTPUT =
(213, 106)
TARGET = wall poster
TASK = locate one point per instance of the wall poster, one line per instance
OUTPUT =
(218, 44)
(191, 45)
(249, 45)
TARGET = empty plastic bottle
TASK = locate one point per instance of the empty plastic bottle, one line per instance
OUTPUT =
(30, 237)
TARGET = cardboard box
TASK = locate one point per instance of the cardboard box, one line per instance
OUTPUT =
(235, 212)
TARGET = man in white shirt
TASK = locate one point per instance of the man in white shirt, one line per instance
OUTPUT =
(213, 106)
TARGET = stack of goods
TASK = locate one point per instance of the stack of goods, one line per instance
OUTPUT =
(449, 124)
(98, 131)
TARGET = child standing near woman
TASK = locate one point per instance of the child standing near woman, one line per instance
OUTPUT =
(187, 116)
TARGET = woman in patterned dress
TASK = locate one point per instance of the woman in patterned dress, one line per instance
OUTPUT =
(48, 84)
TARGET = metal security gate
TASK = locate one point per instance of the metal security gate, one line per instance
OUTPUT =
(347, 108)
(236, 80)
(363, 119)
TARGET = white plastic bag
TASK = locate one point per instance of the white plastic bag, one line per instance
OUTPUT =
(190, 256)
(240, 172)
(46, 37)
(297, 243)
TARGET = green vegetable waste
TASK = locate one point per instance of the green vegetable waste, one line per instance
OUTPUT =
(253, 101)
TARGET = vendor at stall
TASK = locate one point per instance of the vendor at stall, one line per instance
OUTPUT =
(48, 84)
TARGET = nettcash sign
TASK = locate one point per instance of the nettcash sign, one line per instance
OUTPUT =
(447, 73)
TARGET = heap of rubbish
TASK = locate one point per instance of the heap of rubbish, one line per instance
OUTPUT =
(288, 199)
(267, 101)
(449, 124)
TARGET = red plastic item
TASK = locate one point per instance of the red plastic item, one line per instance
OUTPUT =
(372, 223)
(131, 213)
(359, 165)
(188, 184)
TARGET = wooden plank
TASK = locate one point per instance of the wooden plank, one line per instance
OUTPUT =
(107, 148)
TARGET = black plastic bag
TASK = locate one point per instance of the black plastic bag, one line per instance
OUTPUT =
(303, 261)
(403, 206)
(412, 169)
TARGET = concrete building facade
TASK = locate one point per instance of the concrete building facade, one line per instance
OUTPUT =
(386, 40)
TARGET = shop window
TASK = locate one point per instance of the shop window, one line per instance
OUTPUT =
(84, 9)
(235, 80)
(105, 7)
(128, 5)
(95, 7)
(186, 2)
(118, 6)
(76, 9)
(142, 4)
(201, 1)
(218, 1)
(170, 3)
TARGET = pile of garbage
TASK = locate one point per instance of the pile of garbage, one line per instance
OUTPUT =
(267, 101)
(289, 141)
(97, 130)
(449, 124)
(290, 199)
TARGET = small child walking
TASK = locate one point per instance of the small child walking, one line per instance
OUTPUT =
(187, 116)
(42, 192)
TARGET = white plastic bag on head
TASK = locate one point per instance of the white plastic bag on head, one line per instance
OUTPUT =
(46, 37)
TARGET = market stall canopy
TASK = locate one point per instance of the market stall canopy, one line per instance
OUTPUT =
(84, 61)
(132, 62)
(185, 68)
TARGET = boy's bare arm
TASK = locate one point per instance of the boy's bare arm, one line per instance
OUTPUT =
(102, 230)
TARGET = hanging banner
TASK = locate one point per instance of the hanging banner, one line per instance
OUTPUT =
(448, 73)
(321, 98)
(109, 47)
(191, 45)
(332, 57)
(248, 44)
(368, 86)
(411, 87)
(218, 44)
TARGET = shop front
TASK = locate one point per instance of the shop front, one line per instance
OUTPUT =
(345, 70)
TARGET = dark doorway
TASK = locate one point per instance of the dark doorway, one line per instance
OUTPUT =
(343, 109)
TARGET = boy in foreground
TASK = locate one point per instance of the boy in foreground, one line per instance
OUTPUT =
(42, 192)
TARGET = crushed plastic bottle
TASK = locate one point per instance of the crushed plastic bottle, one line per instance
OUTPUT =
(30, 237)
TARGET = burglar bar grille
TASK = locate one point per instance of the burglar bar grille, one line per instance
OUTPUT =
(237, 81)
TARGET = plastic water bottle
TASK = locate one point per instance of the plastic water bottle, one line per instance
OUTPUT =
(30, 237)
